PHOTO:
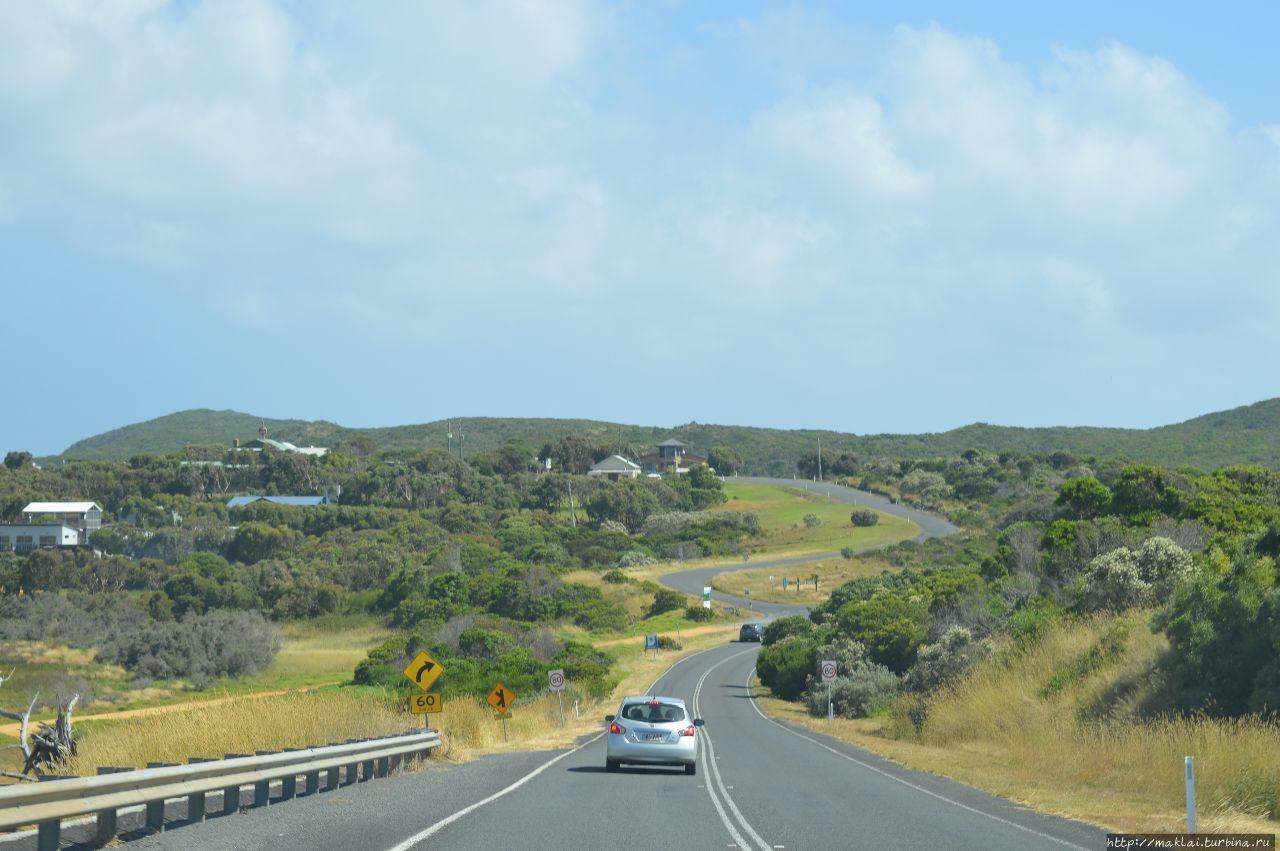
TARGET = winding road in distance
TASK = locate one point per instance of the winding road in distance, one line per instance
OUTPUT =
(693, 581)
(761, 785)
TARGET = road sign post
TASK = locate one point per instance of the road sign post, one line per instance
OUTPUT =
(706, 596)
(651, 643)
(555, 679)
(423, 671)
(501, 699)
(828, 670)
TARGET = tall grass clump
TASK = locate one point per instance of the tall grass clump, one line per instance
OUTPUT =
(241, 725)
(1069, 707)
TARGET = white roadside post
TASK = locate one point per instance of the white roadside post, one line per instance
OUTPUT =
(828, 671)
(1190, 763)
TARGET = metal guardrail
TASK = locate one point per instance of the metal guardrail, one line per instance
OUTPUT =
(46, 804)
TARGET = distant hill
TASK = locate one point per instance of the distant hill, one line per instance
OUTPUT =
(1247, 435)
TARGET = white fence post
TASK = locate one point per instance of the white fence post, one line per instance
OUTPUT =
(1191, 794)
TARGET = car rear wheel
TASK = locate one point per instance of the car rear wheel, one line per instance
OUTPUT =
(691, 768)
(611, 765)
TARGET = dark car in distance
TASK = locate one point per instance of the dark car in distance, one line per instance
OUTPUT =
(751, 632)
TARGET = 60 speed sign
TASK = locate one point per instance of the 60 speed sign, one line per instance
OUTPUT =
(828, 671)
(425, 702)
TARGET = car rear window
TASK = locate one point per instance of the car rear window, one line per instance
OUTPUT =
(654, 713)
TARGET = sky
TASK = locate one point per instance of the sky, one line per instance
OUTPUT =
(865, 217)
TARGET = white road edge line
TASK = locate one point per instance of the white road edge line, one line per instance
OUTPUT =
(713, 770)
(427, 833)
(906, 783)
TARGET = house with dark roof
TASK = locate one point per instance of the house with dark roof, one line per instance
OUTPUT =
(673, 456)
(615, 467)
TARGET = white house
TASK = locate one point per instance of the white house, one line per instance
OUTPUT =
(84, 516)
(615, 467)
(25, 537)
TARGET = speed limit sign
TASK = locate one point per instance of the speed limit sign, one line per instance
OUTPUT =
(828, 671)
(556, 680)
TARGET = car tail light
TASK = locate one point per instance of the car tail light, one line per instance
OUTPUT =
(617, 728)
(688, 731)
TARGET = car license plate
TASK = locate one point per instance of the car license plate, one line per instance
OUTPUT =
(656, 737)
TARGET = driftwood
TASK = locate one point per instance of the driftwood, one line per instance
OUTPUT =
(48, 748)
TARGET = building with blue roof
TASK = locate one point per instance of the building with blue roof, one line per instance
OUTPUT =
(303, 501)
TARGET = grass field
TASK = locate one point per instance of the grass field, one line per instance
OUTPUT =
(782, 511)
(1081, 752)
(766, 583)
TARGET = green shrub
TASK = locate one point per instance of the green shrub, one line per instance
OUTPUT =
(778, 629)
(665, 600)
(698, 613)
(785, 667)
(867, 689)
(864, 517)
(666, 642)
(614, 577)
(812, 521)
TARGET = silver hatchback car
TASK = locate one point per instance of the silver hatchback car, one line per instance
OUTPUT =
(652, 731)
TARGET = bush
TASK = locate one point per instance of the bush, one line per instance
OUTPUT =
(665, 600)
(1124, 578)
(942, 663)
(635, 558)
(614, 577)
(666, 642)
(786, 667)
(778, 629)
(199, 648)
(864, 517)
(613, 526)
(867, 689)
(848, 552)
(698, 613)
(812, 521)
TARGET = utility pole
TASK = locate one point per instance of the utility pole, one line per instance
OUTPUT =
(819, 459)
(450, 438)
(573, 515)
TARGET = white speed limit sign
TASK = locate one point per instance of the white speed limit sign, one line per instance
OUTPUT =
(556, 680)
(828, 671)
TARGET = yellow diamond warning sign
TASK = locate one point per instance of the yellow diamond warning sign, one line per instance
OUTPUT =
(501, 698)
(423, 670)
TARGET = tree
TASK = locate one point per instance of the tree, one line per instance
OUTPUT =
(724, 460)
(629, 502)
(1084, 498)
(864, 517)
(16, 460)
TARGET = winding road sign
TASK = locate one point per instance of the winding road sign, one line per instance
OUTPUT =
(425, 703)
(828, 671)
(423, 671)
(501, 698)
(556, 680)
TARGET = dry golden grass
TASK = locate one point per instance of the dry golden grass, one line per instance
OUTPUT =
(1063, 755)
(765, 583)
(329, 649)
(242, 724)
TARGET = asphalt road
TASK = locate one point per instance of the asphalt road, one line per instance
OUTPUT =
(693, 581)
(760, 785)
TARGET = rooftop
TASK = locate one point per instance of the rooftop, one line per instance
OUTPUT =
(59, 507)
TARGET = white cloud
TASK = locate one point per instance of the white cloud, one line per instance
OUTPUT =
(429, 164)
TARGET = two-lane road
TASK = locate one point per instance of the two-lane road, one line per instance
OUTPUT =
(760, 785)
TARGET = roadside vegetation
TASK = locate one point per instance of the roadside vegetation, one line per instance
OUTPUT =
(1096, 622)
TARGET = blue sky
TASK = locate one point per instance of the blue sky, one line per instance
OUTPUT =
(864, 217)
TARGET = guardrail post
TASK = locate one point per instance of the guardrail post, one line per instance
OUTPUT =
(49, 835)
(289, 784)
(262, 789)
(155, 809)
(331, 778)
(383, 767)
(107, 822)
(196, 800)
(231, 794)
(353, 770)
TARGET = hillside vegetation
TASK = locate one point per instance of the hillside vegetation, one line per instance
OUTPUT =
(1245, 435)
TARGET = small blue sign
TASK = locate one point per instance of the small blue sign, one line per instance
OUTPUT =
(651, 642)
